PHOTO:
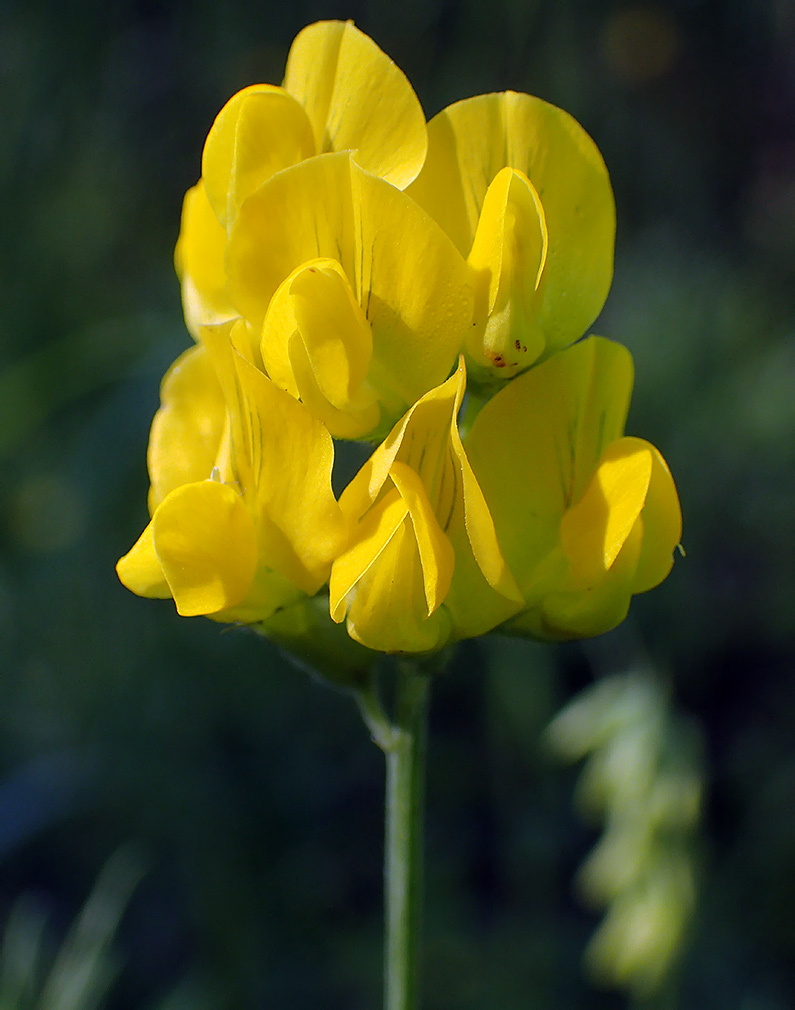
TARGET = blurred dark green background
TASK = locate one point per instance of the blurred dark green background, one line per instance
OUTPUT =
(253, 794)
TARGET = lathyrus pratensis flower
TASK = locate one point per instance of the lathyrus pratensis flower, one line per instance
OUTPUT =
(358, 299)
(327, 302)
(585, 515)
(524, 193)
(235, 533)
(340, 93)
(545, 520)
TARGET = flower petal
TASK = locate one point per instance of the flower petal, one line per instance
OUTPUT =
(414, 287)
(380, 583)
(508, 256)
(261, 130)
(316, 344)
(436, 552)
(357, 100)
(405, 274)
(595, 529)
(470, 141)
(199, 261)
(582, 613)
(534, 446)
(206, 542)
(662, 527)
(298, 215)
(374, 533)
(300, 524)
(187, 429)
(333, 329)
(140, 569)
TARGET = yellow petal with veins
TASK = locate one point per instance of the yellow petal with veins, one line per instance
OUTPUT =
(471, 141)
(357, 100)
(374, 533)
(267, 428)
(534, 446)
(298, 215)
(259, 131)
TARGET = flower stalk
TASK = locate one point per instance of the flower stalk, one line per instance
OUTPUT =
(403, 740)
(403, 840)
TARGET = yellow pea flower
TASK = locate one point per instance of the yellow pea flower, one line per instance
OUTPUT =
(585, 516)
(361, 300)
(235, 534)
(524, 193)
(422, 532)
(340, 93)
(336, 258)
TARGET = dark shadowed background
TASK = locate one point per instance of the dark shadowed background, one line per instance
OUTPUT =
(252, 795)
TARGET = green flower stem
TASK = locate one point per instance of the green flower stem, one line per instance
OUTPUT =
(405, 797)
(403, 741)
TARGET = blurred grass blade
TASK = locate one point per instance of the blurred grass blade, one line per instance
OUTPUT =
(85, 967)
(21, 955)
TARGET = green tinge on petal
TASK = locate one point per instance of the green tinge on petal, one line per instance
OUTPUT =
(508, 257)
(187, 429)
(315, 643)
(298, 215)
(662, 527)
(259, 131)
(436, 552)
(471, 141)
(206, 542)
(199, 262)
(584, 612)
(357, 100)
(482, 537)
(535, 445)
(140, 570)
(594, 530)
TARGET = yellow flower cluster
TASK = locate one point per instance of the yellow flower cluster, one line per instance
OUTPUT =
(351, 272)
